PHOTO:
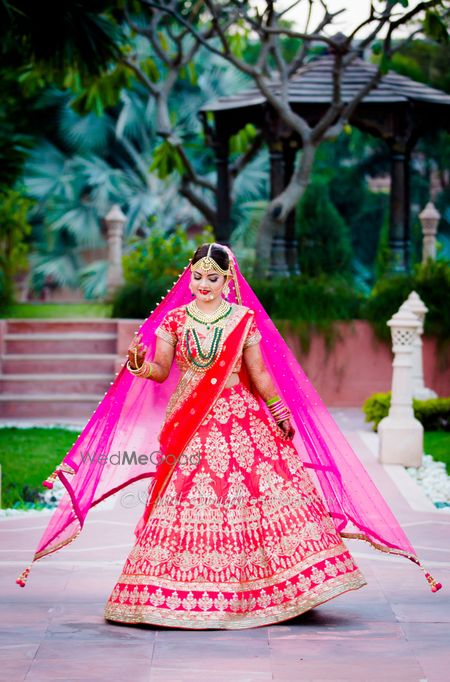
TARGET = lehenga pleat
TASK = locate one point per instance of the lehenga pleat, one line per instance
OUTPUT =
(241, 536)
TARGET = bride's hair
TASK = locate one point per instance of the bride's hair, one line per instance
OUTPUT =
(217, 252)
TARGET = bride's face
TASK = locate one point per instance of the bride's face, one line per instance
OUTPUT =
(203, 284)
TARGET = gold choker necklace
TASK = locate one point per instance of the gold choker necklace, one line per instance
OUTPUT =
(194, 311)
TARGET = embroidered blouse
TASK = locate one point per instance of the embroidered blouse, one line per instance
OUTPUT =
(171, 329)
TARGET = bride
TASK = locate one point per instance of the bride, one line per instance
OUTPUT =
(239, 536)
(254, 483)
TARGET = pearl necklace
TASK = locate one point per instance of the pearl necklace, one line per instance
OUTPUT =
(208, 319)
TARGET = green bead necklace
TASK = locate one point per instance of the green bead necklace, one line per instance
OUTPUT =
(204, 360)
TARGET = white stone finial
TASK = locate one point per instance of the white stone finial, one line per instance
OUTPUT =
(418, 307)
(115, 221)
(116, 215)
(429, 218)
(404, 327)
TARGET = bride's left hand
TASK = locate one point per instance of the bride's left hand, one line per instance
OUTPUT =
(287, 428)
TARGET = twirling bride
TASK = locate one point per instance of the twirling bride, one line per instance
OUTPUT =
(254, 483)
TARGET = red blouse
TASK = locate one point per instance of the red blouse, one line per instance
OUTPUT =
(171, 329)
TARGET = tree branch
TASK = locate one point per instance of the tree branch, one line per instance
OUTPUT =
(191, 175)
(197, 201)
(244, 159)
(140, 75)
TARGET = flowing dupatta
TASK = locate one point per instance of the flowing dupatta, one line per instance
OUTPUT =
(129, 416)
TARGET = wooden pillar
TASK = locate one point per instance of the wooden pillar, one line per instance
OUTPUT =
(290, 235)
(278, 265)
(223, 227)
(399, 210)
(407, 174)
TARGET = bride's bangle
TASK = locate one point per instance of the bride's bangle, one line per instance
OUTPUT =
(279, 410)
(145, 371)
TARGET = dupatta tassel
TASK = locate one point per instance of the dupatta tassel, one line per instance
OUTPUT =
(22, 579)
(65, 468)
(434, 584)
(49, 481)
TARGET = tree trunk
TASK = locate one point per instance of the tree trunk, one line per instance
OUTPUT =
(277, 211)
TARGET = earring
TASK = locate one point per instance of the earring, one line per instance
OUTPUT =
(226, 290)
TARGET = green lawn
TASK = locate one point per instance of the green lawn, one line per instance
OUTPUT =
(52, 310)
(27, 457)
(437, 443)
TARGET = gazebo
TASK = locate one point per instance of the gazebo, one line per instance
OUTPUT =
(399, 110)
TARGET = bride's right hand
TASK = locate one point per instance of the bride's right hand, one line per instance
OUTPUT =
(141, 351)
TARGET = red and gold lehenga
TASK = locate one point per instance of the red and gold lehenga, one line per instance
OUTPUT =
(237, 535)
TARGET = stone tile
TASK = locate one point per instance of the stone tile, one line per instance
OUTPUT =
(224, 652)
(334, 654)
(389, 658)
(226, 637)
(431, 643)
(337, 671)
(14, 670)
(76, 669)
(422, 612)
(90, 628)
(17, 651)
(96, 649)
(34, 616)
(205, 675)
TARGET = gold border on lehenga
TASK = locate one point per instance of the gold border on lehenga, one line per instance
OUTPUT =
(235, 620)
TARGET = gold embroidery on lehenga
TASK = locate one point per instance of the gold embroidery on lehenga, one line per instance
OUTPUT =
(262, 437)
(216, 451)
(241, 446)
(225, 549)
(193, 456)
(202, 489)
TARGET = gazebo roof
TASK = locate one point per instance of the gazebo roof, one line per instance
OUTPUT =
(313, 83)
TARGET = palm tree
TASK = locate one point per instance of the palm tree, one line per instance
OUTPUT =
(94, 161)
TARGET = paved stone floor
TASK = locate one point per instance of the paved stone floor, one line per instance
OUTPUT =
(393, 629)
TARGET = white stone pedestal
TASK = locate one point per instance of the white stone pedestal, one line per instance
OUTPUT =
(401, 441)
(401, 434)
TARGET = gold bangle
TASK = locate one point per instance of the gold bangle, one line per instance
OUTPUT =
(145, 371)
(137, 370)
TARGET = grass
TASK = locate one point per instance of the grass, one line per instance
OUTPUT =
(437, 444)
(27, 457)
(52, 310)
